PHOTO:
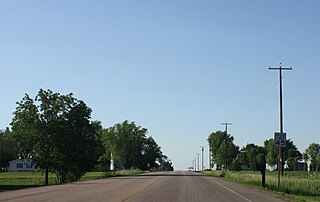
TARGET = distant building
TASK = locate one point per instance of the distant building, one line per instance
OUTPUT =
(21, 165)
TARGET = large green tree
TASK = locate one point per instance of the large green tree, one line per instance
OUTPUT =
(151, 154)
(313, 152)
(272, 152)
(103, 162)
(291, 153)
(131, 147)
(165, 164)
(305, 158)
(56, 132)
(222, 148)
(248, 155)
(125, 141)
(8, 149)
(26, 126)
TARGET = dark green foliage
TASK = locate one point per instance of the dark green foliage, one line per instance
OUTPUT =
(291, 153)
(75, 144)
(26, 126)
(103, 162)
(248, 156)
(130, 147)
(151, 153)
(236, 164)
(125, 141)
(313, 152)
(305, 158)
(223, 150)
(253, 157)
(55, 130)
(260, 162)
(272, 152)
(165, 163)
(8, 150)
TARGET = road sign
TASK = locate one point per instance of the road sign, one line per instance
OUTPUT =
(280, 139)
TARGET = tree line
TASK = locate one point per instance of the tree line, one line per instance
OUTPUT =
(226, 155)
(57, 133)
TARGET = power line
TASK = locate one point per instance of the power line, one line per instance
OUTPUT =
(255, 104)
(306, 56)
(294, 46)
(251, 99)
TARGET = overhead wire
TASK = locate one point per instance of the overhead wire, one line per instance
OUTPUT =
(253, 100)
(307, 57)
(246, 114)
(252, 93)
(302, 39)
(310, 51)
(292, 47)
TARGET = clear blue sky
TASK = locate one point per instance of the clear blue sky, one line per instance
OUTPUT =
(177, 68)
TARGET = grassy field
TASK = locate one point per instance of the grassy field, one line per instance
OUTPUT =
(299, 186)
(20, 180)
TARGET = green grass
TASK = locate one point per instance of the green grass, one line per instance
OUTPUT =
(100, 175)
(21, 180)
(300, 186)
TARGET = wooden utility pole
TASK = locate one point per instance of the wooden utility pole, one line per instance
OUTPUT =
(280, 68)
(226, 142)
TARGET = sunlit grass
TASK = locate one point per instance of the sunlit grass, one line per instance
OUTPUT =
(25, 178)
(20, 180)
(302, 186)
(100, 175)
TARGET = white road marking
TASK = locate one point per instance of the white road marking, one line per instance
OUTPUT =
(232, 191)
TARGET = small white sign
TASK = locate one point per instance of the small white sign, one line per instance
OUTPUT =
(280, 139)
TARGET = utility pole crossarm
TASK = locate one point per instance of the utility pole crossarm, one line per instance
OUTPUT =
(278, 68)
(226, 124)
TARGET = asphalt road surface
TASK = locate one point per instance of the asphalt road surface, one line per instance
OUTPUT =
(157, 186)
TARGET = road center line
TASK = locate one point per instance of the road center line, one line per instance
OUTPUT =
(232, 191)
(140, 191)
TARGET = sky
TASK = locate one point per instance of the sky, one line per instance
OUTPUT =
(178, 68)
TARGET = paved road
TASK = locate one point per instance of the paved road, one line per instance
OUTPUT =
(160, 186)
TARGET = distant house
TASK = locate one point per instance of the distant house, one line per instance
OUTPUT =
(21, 165)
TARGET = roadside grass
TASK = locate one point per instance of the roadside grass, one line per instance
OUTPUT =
(101, 175)
(22, 180)
(298, 186)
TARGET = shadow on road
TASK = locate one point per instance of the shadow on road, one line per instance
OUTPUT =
(16, 187)
(171, 174)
